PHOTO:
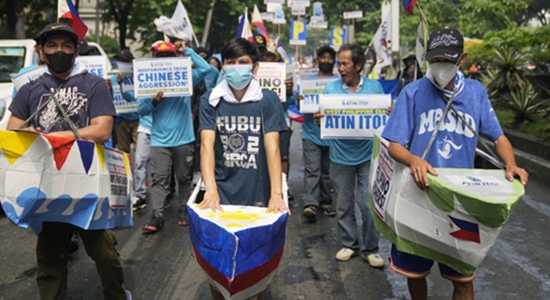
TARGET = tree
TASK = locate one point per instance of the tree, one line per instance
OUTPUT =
(120, 11)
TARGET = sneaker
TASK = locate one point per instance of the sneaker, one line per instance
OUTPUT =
(155, 225)
(345, 254)
(310, 213)
(374, 260)
(183, 219)
(328, 210)
(140, 203)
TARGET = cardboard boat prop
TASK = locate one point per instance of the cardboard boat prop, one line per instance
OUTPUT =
(239, 249)
(454, 222)
(52, 179)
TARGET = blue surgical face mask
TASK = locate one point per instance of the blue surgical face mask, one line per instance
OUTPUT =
(238, 76)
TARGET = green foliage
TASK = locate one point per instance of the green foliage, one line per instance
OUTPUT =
(523, 102)
(479, 16)
(507, 64)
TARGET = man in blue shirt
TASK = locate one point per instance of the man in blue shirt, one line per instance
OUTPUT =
(172, 139)
(414, 119)
(350, 163)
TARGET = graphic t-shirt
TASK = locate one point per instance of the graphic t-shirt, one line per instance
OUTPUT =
(420, 107)
(241, 170)
(83, 96)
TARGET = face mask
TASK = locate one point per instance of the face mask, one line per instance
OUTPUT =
(326, 67)
(443, 72)
(238, 76)
(60, 62)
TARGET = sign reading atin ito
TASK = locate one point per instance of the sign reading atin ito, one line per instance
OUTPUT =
(173, 76)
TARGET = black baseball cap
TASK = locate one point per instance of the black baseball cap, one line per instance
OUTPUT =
(57, 28)
(125, 54)
(447, 43)
(326, 48)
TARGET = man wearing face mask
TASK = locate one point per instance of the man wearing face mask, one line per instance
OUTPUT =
(316, 151)
(415, 117)
(88, 104)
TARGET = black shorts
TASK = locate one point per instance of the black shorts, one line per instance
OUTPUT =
(284, 143)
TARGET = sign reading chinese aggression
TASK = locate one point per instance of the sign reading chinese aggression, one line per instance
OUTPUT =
(171, 75)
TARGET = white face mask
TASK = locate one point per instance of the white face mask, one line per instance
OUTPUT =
(443, 72)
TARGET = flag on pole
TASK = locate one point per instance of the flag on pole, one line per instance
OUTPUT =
(257, 21)
(66, 10)
(180, 16)
(420, 45)
(244, 30)
(381, 41)
(409, 6)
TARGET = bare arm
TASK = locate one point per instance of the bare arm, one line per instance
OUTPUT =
(419, 167)
(14, 123)
(276, 203)
(506, 154)
(99, 130)
(211, 196)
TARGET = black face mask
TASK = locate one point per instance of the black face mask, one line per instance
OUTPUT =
(60, 62)
(326, 67)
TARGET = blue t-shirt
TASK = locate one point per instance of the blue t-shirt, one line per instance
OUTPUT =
(241, 169)
(311, 130)
(211, 78)
(172, 121)
(128, 96)
(352, 152)
(420, 107)
(84, 96)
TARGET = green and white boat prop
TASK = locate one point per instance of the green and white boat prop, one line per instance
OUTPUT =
(454, 222)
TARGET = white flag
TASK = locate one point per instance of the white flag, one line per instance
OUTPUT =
(420, 51)
(381, 41)
(179, 26)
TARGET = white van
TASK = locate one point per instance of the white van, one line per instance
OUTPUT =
(16, 54)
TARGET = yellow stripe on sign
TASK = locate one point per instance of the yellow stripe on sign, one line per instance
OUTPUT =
(15, 144)
(100, 155)
(126, 164)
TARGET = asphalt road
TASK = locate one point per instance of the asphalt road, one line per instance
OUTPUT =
(161, 267)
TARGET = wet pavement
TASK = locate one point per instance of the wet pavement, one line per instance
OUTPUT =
(160, 266)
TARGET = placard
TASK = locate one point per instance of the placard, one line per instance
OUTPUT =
(298, 10)
(279, 14)
(298, 32)
(307, 72)
(171, 75)
(382, 184)
(352, 116)
(122, 106)
(318, 24)
(337, 37)
(267, 16)
(20, 80)
(353, 14)
(274, 1)
(95, 64)
(311, 89)
(302, 3)
(127, 71)
(272, 77)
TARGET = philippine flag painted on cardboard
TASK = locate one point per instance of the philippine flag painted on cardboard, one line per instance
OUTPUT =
(239, 249)
(466, 230)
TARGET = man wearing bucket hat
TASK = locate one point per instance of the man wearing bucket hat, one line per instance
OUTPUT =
(91, 112)
(419, 118)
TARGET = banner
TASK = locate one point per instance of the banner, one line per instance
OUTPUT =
(381, 41)
(311, 89)
(421, 42)
(20, 80)
(352, 116)
(272, 77)
(304, 73)
(455, 222)
(171, 75)
(127, 72)
(298, 32)
(95, 64)
(121, 105)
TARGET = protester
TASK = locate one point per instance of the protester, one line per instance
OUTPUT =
(91, 111)
(316, 151)
(216, 63)
(350, 164)
(407, 75)
(241, 166)
(409, 131)
(172, 139)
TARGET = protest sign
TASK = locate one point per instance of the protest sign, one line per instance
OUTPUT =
(311, 89)
(127, 72)
(353, 14)
(307, 72)
(352, 116)
(95, 64)
(122, 106)
(455, 222)
(298, 32)
(173, 76)
(272, 77)
(337, 37)
(20, 80)
(44, 178)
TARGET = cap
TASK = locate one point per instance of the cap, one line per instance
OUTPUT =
(326, 48)
(260, 39)
(447, 43)
(57, 28)
(125, 54)
(162, 46)
(84, 47)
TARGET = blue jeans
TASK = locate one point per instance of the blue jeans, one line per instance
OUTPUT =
(316, 174)
(143, 146)
(351, 182)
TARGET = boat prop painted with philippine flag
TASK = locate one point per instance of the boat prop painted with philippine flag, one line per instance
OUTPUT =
(455, 222)
(44, 178)
(239, 249)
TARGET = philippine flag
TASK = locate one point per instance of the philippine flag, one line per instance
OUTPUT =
(257, 21)
(66, 10)
(409, 6)
(244, 31)
(467, 231)
(294, 114)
